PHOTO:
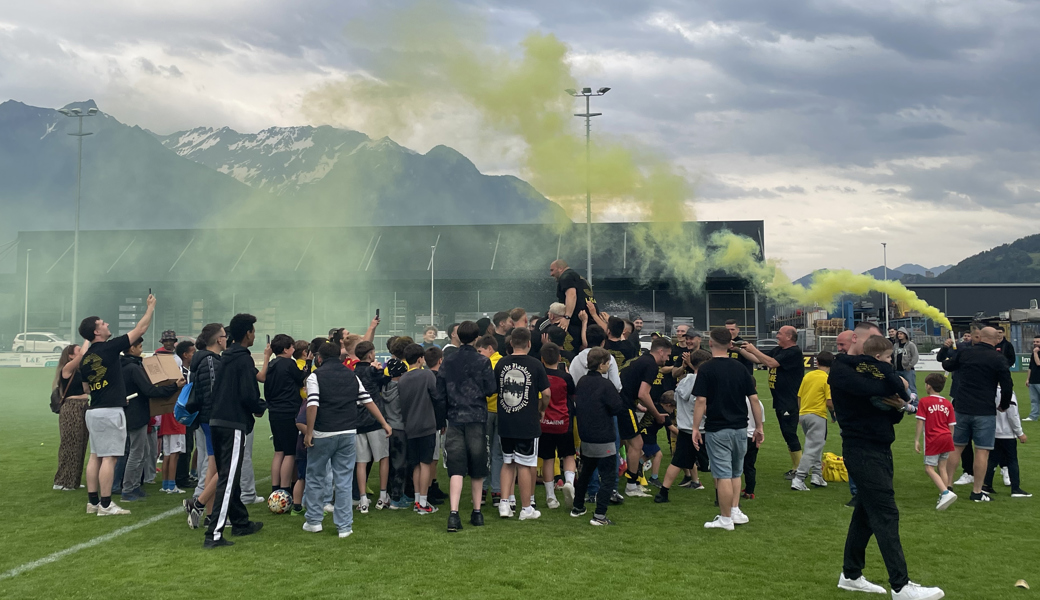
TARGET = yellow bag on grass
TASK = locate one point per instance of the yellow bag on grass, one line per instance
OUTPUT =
(834, 468)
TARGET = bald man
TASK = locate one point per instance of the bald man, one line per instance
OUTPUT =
(981, 368)
(845, 341)
(575, 293)
(786, 366)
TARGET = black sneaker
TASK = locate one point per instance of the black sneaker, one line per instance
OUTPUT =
(789, 475)
(686, 482)
(205, 522)
(577, 512)
(476, 519)
(656, 482)
(851, 503)
(1020, 493)
(435, 501)
(660, 498)
(217, 543)
(696, 485)
(988, 489)
(454, 522)
(250, 529)
(980, 497)
(617, 499)
(600, 521)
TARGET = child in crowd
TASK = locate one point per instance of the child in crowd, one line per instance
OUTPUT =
(648, 429)
(1005, 450)
(301, 463)
(685, 455)
(557, 438)
(596, 403)
(372, 444)
(417, 390)
(936, 418)
(173, 445)
(814, 398)
(433, 357)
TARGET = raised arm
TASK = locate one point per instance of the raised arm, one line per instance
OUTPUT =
(756, 356)
(73, 365)
(146, 320)
(370, 335)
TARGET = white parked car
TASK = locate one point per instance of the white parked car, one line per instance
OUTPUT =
(38, 341)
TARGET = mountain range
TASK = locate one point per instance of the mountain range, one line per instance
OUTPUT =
(295, 176)
(900, 273)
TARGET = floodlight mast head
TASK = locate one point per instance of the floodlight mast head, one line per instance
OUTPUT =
(602, 90)
(572, 92)
(93, 111)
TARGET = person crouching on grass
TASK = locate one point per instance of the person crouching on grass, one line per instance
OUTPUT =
(333, 395)
(722, 389)
(935, 418)
(596, 403)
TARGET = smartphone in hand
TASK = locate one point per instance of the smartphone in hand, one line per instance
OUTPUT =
(377, 313)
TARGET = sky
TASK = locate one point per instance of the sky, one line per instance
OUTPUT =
(841, 124)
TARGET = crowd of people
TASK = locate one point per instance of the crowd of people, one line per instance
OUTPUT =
(518, 399)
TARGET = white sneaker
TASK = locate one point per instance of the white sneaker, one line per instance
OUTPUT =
(345, 534)
(528, 515)
(58, 487)
(113, 509)
(717, 523)
(175, 490)
(312, 528)
(633, 490)
(818, 480)
(912, 591)
(738, 516)
(92, 508)
(1004, 474)
(363, 507)
(945, 500)
(552, 502)
(859, 585)
(964, 479)
(798, 485)
(568, 495)
(259, 500)
(504, 510)
(329, 508)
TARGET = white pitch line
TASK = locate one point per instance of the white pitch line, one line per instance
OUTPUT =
(101, 539)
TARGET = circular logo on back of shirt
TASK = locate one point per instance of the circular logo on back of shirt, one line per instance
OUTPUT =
(515, 386)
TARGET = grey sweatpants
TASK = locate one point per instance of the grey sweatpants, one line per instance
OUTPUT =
(152, 454)
(136, 459)
(815, 428)
(202, 460)
(248, 477)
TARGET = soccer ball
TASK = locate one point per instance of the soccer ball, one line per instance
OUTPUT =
(279, 502)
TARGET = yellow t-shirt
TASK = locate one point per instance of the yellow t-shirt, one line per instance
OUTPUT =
(492, 400)
(814, 393)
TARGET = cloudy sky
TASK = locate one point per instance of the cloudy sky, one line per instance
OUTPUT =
(842, 124)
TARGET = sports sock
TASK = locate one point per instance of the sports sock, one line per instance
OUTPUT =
(92, 497)
(106, 501)
(422, 501)
(364, 499)
(297, 507)
(550, 489)
(664, 491)
(532, 499)
(568, 477)
(416, 498)
(512, 499)
(528, 509)
(384, 496)
(632, 478)
(196, 504)
(275, 488)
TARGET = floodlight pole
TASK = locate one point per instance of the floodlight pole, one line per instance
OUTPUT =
(588, 114)
(884, 250)
(75, 112)
(25, 317)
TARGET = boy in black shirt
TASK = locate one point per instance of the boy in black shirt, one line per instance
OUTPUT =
(282, 392)
(623, 352)
(521, 378)
(636, 381)
(100, 366)
(723, 388)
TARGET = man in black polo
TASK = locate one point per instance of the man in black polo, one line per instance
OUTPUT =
(575, 293)
(786, 369)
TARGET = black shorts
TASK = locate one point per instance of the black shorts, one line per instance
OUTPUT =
(421, 449)
(685, 455)
(789, 428)
(552, 443)
(520, 451)
(284, 432)
(627, 426)
(465, 450)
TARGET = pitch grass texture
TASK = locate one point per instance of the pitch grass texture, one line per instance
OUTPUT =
(791, 549)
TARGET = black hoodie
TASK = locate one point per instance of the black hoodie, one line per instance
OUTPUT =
(853, 381)
(980, 369)
(236, 395)
(138, 409)
(202, 382)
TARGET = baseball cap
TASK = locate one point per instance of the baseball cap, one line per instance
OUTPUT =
(168, 336)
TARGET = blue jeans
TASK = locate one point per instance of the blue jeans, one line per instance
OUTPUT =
(1034, 398)
(594, 483)
(910, 378)
(340, 450)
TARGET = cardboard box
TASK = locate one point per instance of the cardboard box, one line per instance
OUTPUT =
(162, 370)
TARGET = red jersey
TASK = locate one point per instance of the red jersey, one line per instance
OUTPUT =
(938, 416)
(557, 417)
(169, 426)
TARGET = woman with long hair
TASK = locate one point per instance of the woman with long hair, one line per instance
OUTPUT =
(72, 425)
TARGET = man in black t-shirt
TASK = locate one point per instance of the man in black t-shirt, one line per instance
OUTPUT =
(523, 395)
(1033, 383)
(723, 390)
(736, 347)
(637, 379)
(575, 293)
(101, 367)
(786, 367)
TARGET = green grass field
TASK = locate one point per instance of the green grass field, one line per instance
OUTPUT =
(792, 547)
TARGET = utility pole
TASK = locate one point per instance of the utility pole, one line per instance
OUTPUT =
(25, 317)
(75, 112)
(884, 249)
(587, 115)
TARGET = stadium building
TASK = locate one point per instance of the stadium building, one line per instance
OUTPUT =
(304, 281)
